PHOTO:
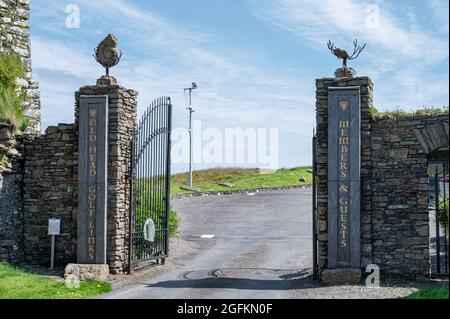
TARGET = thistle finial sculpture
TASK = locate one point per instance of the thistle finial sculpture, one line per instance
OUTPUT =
(108, 56)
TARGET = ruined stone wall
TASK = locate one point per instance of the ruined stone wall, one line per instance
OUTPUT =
(11, 227)
(400, 217)
(15, 37)
(50, 191)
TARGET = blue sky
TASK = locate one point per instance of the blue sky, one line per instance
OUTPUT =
(255, 61)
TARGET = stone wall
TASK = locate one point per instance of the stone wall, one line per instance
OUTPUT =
(322, 162)
(400, 230)
(15, 37)
(122, 122)
(50, 191)
(11, 227)
(394, 182)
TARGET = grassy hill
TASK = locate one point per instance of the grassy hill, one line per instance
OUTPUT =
(240, 179)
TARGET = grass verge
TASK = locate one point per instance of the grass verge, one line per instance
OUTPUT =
(208, 180)
(174, 222)
(16, 283)
(430, 293)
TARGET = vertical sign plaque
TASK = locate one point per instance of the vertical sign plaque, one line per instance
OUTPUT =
(344, 188)
(92, 179)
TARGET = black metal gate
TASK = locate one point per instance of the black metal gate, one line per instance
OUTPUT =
(439, 207)
(314, 208)
(150, 185)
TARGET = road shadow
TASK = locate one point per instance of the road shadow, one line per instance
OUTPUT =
(289, 281)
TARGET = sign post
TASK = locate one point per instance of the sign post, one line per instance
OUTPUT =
(54, 229)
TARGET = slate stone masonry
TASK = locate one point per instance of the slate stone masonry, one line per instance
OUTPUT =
(394, 182)
(366, 89)
(11, 228)
(51, 181)
(400, 217)
(50, 191)
(122, 121)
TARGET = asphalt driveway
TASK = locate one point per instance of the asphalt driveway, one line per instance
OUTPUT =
(256, 245)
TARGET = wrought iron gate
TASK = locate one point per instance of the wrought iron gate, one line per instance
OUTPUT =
(439, 207)
(150, 185)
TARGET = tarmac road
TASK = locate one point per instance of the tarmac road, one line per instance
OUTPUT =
(262, 248)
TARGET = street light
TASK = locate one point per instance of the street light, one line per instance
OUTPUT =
(191, 110)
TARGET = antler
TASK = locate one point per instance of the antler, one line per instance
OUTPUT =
(331, 46)
(357, 51)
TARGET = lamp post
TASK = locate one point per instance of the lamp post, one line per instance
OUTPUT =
(191, 110)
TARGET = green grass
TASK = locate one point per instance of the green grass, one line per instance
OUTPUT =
(174, 222)
(208, 180)
(399, 113)
(430, 293)
(11, 96)
(16, 283)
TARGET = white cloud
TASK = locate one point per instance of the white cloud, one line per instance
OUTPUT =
(400, 56)
(318, 21)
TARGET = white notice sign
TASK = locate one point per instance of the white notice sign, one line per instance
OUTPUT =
(54, 226)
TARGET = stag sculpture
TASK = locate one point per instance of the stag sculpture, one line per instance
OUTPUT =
(343, 55)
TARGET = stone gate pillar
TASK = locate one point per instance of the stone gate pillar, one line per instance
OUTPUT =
(120, 113)
(343, 169)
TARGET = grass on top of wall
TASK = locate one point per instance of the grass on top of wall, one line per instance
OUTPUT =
(400, 113)
(16, 283)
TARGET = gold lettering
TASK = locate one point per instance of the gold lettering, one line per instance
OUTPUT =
(93, 150)
(343, 141)
(93, 138)
(343, 124)
(343, 166)
(93, 123)
(344, 188)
